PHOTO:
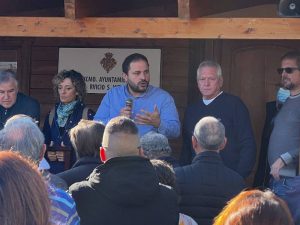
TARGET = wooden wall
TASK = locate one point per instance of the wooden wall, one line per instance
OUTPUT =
(38, 62)
(249, 69)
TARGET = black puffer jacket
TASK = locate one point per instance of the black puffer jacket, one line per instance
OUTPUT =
(125, 191)
(205, 186)
(81, 169)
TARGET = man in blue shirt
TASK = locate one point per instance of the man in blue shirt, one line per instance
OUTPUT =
(152, 108)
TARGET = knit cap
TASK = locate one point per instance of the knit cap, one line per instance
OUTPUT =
(155, 145)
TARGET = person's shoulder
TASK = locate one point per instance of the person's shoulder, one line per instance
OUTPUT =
(232, 100)
(60, 198)
(194, 108)
(167, 191)
(26, 98)
(158, 90)
(57, 193)
(63, 207)
(56, 181)
(182, 171)
(229, 96)
(116, 89)
(234, 176)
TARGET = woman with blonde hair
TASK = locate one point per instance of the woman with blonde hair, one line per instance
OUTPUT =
(255, 207)
(23, 192)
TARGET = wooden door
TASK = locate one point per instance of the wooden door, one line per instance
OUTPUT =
(249, 69)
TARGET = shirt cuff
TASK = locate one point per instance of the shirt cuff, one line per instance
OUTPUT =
(287, 158)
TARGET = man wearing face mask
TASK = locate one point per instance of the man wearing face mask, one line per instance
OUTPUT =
(262, 175)
(283, 151)
(152, 108)
(13, 102)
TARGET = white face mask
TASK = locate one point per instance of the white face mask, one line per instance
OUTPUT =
(282, 95)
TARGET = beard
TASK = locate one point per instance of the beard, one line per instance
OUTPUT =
(137, 88)
(287, 84)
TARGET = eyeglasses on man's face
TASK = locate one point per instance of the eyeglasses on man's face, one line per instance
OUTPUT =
(288, 70)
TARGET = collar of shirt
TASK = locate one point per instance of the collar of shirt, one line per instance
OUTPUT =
(208, 101)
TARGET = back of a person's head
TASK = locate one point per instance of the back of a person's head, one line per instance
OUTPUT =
(86, 137)
(209, 133)
(23, 192)
(121, 138)
(255, 207)
(22, 134)
(165, 172)
(155, 145)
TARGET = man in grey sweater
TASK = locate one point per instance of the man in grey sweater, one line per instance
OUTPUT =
(284, 145)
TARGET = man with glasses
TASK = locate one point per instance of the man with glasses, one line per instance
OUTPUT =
(283, 151)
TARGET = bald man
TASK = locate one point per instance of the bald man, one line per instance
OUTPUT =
(125, 189)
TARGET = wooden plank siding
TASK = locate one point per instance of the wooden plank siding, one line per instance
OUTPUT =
(249, 68)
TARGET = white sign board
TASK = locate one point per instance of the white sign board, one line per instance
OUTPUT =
(8, 65)
(102, 67)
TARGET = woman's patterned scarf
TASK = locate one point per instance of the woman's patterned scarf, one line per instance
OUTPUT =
(64, 111)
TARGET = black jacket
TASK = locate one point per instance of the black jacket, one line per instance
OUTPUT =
(125, 191)
(23, 105)
(57, 135)
(81, 169)
(205, 186)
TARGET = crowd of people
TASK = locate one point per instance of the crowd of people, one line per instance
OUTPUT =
(116, 166)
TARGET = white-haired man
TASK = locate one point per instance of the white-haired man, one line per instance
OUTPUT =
(13, 102)
(207, 184)
(239, 153)
(22, 134)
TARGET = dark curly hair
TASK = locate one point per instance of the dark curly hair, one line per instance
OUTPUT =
(76, 78)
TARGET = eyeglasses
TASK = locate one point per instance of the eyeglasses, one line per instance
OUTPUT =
(288, 70)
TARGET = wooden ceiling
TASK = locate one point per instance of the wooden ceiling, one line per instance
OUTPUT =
(141, 19)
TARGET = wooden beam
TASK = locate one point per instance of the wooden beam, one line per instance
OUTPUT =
(200, 8)
(201, 28)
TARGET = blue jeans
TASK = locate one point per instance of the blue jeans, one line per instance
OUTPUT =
(289, 190)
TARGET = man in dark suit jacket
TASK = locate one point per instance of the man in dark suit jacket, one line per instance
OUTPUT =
(207, 184)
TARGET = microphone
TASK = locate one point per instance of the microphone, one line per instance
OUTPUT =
(128, 104)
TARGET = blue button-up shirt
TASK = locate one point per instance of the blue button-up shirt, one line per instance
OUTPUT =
(115, 99)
